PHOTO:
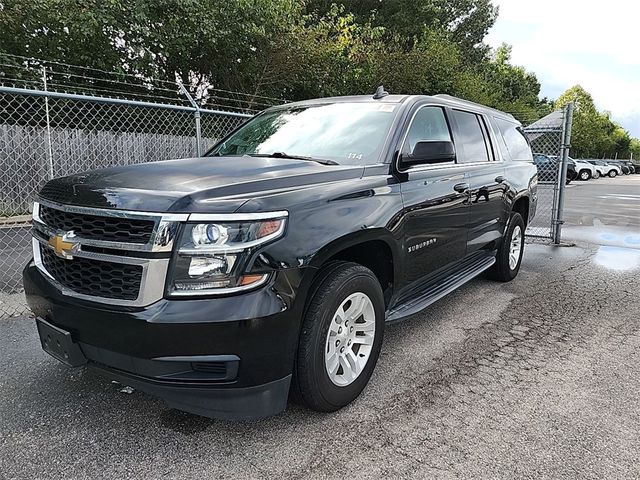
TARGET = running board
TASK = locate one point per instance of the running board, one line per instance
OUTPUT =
(441, 289)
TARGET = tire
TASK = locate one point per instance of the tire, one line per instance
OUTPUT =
(585, 175)
(336, 285)
(505, 270)
(612, 173)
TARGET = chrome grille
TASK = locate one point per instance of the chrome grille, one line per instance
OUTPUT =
(94, 277)
(116, 257)
(112, 229)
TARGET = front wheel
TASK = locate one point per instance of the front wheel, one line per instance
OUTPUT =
(612, 173)
(509, 255)
(341, 337)
(585, 175)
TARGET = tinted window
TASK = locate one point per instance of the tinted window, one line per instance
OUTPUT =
(516, 141)
(428, 124)
(471, 145)
(502, 146)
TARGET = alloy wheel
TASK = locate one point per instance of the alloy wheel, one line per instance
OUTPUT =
(350, 339)
(515, 247)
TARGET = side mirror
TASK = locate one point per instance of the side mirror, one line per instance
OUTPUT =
(430, 152)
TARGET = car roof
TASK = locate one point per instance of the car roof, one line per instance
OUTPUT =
(440, 99)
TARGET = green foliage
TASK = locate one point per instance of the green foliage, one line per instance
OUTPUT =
(594, 134)
(298, 49)
(499, 84)
(634, 149)
(467, 21)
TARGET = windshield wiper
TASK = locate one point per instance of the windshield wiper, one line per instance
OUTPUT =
(293, 157)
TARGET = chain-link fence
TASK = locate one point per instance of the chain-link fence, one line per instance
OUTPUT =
(50, 134)
(549, 139)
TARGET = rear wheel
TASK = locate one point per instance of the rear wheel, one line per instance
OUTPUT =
(341, 337)
(509, 255)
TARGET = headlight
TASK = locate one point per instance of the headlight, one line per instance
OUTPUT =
(211, 257)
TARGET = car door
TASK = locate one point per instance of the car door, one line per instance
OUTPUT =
(435, 200)
(486, 178)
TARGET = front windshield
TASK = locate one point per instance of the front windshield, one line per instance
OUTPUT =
(344, 133)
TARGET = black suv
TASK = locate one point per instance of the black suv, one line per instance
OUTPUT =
(221, 283)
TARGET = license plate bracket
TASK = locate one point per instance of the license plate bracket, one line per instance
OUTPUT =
(59, 344)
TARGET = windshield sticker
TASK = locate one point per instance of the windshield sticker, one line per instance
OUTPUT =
(356, 156)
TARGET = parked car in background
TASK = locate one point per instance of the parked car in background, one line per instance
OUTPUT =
(628, 164)
(623, 167)
(606, 169)
(617, 167)
(636, 167)
(601, 169)
(548, 168)
(585, 170)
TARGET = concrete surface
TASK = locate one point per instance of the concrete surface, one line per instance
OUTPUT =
(537, 378)
(610, 201)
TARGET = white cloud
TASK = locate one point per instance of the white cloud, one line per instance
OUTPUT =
(568, 42)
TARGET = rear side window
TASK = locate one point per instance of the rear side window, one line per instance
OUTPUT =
(502, 145)
(514, 137)
(471, 145)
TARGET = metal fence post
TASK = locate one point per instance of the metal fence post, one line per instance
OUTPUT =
(197, 117)
(48, 121)
(564, 149)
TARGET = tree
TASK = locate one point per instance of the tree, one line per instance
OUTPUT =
(287, 49)
(634, 149)
(466, 21)
(500, 84)
(225, 44)
(594, 134)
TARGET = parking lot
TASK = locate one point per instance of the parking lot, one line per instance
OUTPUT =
(605, 211)
(535, 378)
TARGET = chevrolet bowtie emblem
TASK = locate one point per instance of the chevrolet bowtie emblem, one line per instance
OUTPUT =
(62, 246)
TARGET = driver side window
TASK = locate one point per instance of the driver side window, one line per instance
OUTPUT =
(429, 124)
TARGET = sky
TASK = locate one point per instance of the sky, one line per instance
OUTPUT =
(592, 43)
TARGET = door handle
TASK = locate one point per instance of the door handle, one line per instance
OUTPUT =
(461, 187)
(499, 179)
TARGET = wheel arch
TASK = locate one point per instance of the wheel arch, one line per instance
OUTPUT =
(522, 205)
(582, 170)
(375, 249)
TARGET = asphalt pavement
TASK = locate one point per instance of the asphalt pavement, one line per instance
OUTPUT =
(604, 211)
(537, 378)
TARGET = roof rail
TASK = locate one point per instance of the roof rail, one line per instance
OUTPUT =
(463, 102)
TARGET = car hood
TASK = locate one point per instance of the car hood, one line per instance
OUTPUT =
(208, 184)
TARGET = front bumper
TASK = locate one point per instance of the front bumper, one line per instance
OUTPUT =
(228, 357)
